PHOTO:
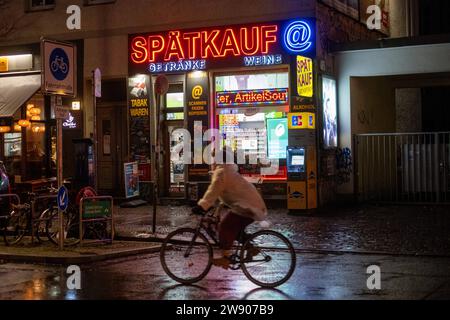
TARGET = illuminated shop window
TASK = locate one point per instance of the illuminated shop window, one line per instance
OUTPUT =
(175, 100)
(252, 81)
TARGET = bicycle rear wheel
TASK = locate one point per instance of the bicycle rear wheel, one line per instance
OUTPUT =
(15, 227)
(186, 256)
(71, 229)
(268, 259)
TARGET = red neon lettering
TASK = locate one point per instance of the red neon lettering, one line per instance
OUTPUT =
(208, 45)
(192, 38)
(229, 43)
(250, 44)
(155, 45)
(174, 47)
(138, 46)
(268, 36)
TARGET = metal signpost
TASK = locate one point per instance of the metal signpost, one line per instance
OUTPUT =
(59, 75)
(96, 93)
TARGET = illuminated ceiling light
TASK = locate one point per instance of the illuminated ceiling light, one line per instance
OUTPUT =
(5, 129)
(35, 111)
(76, 105)
(17, 128)
(35, 118)
(30, 106)
(24, 123)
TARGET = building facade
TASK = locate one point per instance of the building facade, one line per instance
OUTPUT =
(230, 67)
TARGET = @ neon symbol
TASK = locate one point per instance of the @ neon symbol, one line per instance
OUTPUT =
(297, 36)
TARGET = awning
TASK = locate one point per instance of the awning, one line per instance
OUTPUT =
(15, 91)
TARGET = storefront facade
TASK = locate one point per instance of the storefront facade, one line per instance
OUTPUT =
(255, 84)
(28, 125)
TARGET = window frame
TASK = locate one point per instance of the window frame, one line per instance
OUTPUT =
(44, 7)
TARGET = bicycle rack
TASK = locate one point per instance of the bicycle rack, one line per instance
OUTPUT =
(109, 218)
(9, 196)
(33, 210)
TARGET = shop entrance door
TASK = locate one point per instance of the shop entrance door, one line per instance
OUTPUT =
(174, 169)
(111, 133)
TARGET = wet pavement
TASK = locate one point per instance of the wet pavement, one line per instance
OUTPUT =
(404, 230)
(317, 277)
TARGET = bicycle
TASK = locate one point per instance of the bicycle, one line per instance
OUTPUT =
(20, 221)
(186, 254)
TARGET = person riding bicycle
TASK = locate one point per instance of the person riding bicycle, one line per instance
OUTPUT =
(240, 196)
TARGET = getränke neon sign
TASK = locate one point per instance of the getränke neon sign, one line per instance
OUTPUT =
(186, 50)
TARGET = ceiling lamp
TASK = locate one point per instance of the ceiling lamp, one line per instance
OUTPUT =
(24, 123)
(30, 106)
(5, 129)
(35, 118)
(35, 111)
(17, 128)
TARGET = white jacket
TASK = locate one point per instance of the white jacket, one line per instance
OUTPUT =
(233, 190)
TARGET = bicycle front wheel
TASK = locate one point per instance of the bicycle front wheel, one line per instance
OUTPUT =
(15, 228)
(268, 259)
(186, 256)
(71, 229)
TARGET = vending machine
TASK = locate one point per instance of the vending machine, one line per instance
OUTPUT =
(296, 174)
(302, 162)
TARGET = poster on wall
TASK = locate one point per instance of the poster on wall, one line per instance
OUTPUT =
(383, 5)
(348, 7)
(131, 172)
(277, 138)
(329, 100)
(139, 122)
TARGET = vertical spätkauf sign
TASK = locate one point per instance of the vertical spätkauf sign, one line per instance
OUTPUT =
(197, 104)
(59, 65)
(139, 123)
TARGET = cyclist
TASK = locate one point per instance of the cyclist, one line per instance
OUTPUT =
(240, 196)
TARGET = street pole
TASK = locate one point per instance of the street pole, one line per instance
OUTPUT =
(156, 168)
(59, 160)
(94, 104)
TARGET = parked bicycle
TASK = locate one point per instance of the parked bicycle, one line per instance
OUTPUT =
(20, 221)
(267, 258)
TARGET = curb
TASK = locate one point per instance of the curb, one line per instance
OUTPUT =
(78, 260)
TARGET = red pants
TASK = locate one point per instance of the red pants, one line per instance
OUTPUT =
(230, 227)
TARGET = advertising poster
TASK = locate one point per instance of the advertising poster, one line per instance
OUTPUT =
(197, 100)
(277, 138)
(329, 100)
(384, 6)
(131, 172)
(139, 121)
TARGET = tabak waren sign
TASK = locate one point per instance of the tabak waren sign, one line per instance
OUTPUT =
(217, 47)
